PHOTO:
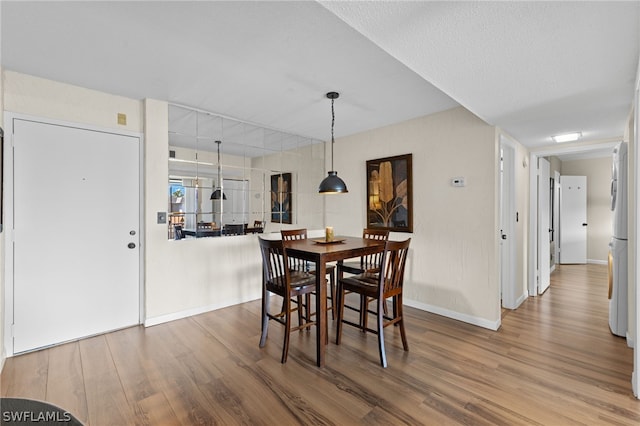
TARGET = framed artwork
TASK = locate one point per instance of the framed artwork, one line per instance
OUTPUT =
(390, 193)
(281, 191)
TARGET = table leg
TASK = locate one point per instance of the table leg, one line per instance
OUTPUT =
(322, 338)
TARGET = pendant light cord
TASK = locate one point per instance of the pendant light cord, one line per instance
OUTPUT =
(219, 142)
(333, 120)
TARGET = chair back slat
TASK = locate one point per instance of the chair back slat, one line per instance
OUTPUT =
(394, 260)
(294, 235)
(373, 260)
(274, 259)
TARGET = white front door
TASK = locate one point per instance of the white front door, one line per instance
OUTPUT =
(544, 243)
(573, 219)
(76, 233)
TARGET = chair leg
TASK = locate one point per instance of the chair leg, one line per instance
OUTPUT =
(300, 312)
(364, 312)
(265, 317)
(398, 309)
(340, 300)
(332, 287)
(307, 311)
(287, 330)
(379, 314)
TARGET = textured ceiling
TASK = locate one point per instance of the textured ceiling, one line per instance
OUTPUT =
(532, 68)
(535, 69)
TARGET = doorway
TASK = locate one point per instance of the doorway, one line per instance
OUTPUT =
(74, 260)
(533, 270)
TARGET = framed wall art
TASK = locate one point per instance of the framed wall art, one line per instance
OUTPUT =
(390, 193)
(281, 191)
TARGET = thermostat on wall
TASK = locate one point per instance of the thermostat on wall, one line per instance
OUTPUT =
(457, 181)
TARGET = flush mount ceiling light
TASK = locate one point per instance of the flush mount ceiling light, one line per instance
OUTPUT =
(332, 184)
(215, 195)
(567, 137)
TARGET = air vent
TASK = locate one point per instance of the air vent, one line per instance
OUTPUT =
(172, 154)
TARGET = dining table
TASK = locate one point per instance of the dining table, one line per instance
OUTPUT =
(320, 251)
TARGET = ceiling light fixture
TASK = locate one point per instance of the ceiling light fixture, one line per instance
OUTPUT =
(332, 184)
(215, 195)
(567, 137)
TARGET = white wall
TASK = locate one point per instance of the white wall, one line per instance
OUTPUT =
(30, 95)
(454, 254)
(453, 267)
(3, 353)
(188, 276)
(180, 277)
(599, 215)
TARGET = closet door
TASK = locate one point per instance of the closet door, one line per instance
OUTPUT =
(573, 219)
(76, 233)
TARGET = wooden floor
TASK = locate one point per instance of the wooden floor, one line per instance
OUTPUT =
(553, 362)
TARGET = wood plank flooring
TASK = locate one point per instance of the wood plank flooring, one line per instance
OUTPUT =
(553, 362)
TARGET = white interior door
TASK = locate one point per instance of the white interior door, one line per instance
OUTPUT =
(235, 206)
(544, 204)
(76, 225)
(556, 216)
(508, 282)
(573, 219)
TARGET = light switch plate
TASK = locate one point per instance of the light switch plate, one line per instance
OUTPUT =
(162, 217)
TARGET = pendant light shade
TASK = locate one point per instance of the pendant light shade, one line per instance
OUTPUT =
(215, 195)
(332, 184)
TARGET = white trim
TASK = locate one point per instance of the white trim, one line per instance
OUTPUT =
(469, 319)
(635, 280)
(520, 300)
(150, 322)
(597, 262)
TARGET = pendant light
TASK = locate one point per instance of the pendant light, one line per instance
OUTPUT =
(215, 195)
(332, 184)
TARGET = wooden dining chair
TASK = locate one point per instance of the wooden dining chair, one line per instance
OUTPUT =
(365, 263)
(301, 234)
(379, 285)
(371, 261)
(279, 279)
(234, 229)
(178, 233)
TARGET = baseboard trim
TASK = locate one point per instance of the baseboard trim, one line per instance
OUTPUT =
(597, 262)
(161, 319)
(469, 319)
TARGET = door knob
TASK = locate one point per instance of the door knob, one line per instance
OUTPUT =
(131, 245)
